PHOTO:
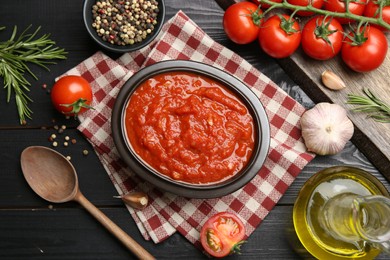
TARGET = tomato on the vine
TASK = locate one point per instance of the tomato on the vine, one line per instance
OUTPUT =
(315, 3)
(280, 36)
(365, 49)
(322, 38)
(338, 6)
(372, 10)
(71, 95)
(241, 22)
(222, 234)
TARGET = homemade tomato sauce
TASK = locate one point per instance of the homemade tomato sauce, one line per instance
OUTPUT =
(189, 127)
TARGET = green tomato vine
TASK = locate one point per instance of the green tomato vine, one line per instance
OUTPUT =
(346, 14)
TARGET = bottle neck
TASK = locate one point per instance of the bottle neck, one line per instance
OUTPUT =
(360, 220)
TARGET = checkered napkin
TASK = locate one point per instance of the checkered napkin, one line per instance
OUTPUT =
(167, 213)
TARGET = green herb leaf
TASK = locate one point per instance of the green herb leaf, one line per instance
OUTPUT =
(15, 55)
(371, 105)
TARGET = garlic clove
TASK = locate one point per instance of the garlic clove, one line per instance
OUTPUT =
(137, 199)
(332, 81)
(326, 128)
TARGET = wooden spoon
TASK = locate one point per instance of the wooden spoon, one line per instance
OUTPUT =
(54, 179)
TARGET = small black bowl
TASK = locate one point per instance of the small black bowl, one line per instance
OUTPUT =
(143, 170)
(88, 20)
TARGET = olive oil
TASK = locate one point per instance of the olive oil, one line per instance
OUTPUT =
(319, 216)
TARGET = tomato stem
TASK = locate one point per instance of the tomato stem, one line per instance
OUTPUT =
(358, 36)
(256, 16)
(347, 14)
(287, 25)
(236, 249)
(381, 4)
(322, 30)
(77, 105)
(347, 6)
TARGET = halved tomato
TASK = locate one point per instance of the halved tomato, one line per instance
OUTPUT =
(222, 234)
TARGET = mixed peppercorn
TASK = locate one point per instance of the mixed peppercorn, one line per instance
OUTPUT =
(122, 22)
(66, 140)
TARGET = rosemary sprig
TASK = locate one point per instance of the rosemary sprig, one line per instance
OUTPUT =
(373, 106)
(15, 55)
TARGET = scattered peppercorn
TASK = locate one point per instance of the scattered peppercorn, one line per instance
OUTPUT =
(44, 86)
(66, 139)
(122, 22)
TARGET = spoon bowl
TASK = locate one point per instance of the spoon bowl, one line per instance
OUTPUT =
(49, 174)
(54, 179)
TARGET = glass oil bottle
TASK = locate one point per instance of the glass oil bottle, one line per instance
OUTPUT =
(339, 213)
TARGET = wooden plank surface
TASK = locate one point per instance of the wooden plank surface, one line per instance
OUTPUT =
(371, 137)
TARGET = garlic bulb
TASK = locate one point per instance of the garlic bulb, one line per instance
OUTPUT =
(326, 128)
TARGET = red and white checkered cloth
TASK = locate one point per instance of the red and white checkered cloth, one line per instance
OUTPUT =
(167, 213)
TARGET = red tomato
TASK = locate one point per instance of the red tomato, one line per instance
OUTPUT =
(368, 55)
(322, 39)
(371, 10)
(265, 6)
(315, 3)
(222, 234)
(71, 95)
(279, 37)
(241, 22)
(338, 6)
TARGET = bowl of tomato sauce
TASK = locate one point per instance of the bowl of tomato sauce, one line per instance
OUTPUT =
(190, 129)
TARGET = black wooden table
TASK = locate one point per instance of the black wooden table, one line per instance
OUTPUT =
(31, 228)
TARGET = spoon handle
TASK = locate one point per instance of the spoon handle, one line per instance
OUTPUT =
(129, 242)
